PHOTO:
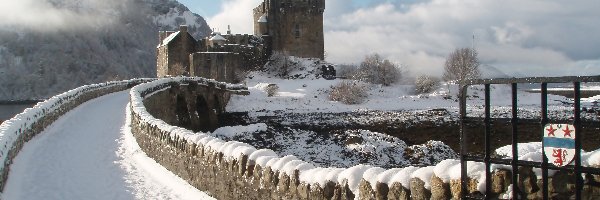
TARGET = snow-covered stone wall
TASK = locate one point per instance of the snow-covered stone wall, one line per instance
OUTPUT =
(15, 132)
(235, 170)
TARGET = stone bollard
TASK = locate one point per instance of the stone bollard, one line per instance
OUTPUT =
(303, 191)
(345, 191)
(439, 189)
(418, 191)
(398, 192)
(316, 192)
(242, 164)
(381, 191)
(366, 192)
(456, 190)
(501, 179)
(528, 182)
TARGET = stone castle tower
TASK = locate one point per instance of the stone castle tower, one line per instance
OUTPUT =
(293, 27)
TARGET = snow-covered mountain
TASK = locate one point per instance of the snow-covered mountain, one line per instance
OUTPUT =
(56, 45)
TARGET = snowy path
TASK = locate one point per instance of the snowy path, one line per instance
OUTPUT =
(89, 153)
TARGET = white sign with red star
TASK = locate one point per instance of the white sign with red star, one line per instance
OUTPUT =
(559, 144)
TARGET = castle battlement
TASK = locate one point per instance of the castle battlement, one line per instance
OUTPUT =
(291, 27)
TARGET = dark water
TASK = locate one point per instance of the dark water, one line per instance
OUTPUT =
(8, 111)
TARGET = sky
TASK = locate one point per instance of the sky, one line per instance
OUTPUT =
(519, 38)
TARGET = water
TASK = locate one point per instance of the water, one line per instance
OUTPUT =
(8, 111)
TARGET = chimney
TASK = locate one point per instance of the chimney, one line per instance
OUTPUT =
(183, 28)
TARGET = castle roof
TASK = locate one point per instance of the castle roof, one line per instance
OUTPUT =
(217, 37)
(262, 19)
(168, 39)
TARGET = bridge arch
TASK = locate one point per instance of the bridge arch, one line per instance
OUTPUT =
(191, 103)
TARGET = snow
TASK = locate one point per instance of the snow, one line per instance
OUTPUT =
(441, 169)
(278, 165)
(263, 19)
(320, 175)
(232, 131)
(424, 174)
(264, 160)
(217, 37)
(372, 176)
(310, 94)
(386, 176)
(522, 149)
(403, 177)
(591, 158)
(12, 128)
(295, 96)
(168, 39)
(79, 158)
(266, 153)
(353, 175)
(233, 149)
(294, 165)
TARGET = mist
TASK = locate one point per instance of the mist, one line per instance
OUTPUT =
(53, 15)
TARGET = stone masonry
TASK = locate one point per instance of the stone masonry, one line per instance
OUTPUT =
(295, 27)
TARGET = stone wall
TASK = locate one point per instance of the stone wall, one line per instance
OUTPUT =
(220, 66)
(234, 170)
(16, 132)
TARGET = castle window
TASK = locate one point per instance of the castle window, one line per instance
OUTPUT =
(297, 31)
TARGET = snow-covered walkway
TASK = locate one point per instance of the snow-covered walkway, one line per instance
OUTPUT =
(89, 153)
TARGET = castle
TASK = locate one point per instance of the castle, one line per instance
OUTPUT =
(289, 27)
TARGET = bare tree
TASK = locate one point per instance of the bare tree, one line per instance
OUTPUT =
(374, 69)
(462, 64)
(426, 84)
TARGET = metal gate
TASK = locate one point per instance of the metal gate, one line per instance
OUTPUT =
(577, 169)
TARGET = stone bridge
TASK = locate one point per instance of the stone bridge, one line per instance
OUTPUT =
(194, 104)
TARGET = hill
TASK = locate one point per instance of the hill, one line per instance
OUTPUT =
(67, 43)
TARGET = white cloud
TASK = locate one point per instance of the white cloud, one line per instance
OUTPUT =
(237, 14)
(532, 37)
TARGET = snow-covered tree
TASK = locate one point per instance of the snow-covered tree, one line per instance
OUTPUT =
(426, 84)
(377, 70)
(461, 64)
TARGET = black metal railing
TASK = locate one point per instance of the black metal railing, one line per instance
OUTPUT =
(577, 169)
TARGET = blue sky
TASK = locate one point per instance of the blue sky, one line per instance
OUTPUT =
(532, 38)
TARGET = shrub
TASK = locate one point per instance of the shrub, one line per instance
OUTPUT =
(349, 92)
(426, 84)
(374, 69)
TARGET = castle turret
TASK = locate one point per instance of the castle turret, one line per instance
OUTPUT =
(262, 25)
(294, 26)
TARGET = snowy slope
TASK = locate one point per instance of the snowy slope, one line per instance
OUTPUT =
(111, 40)
(90, 153)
